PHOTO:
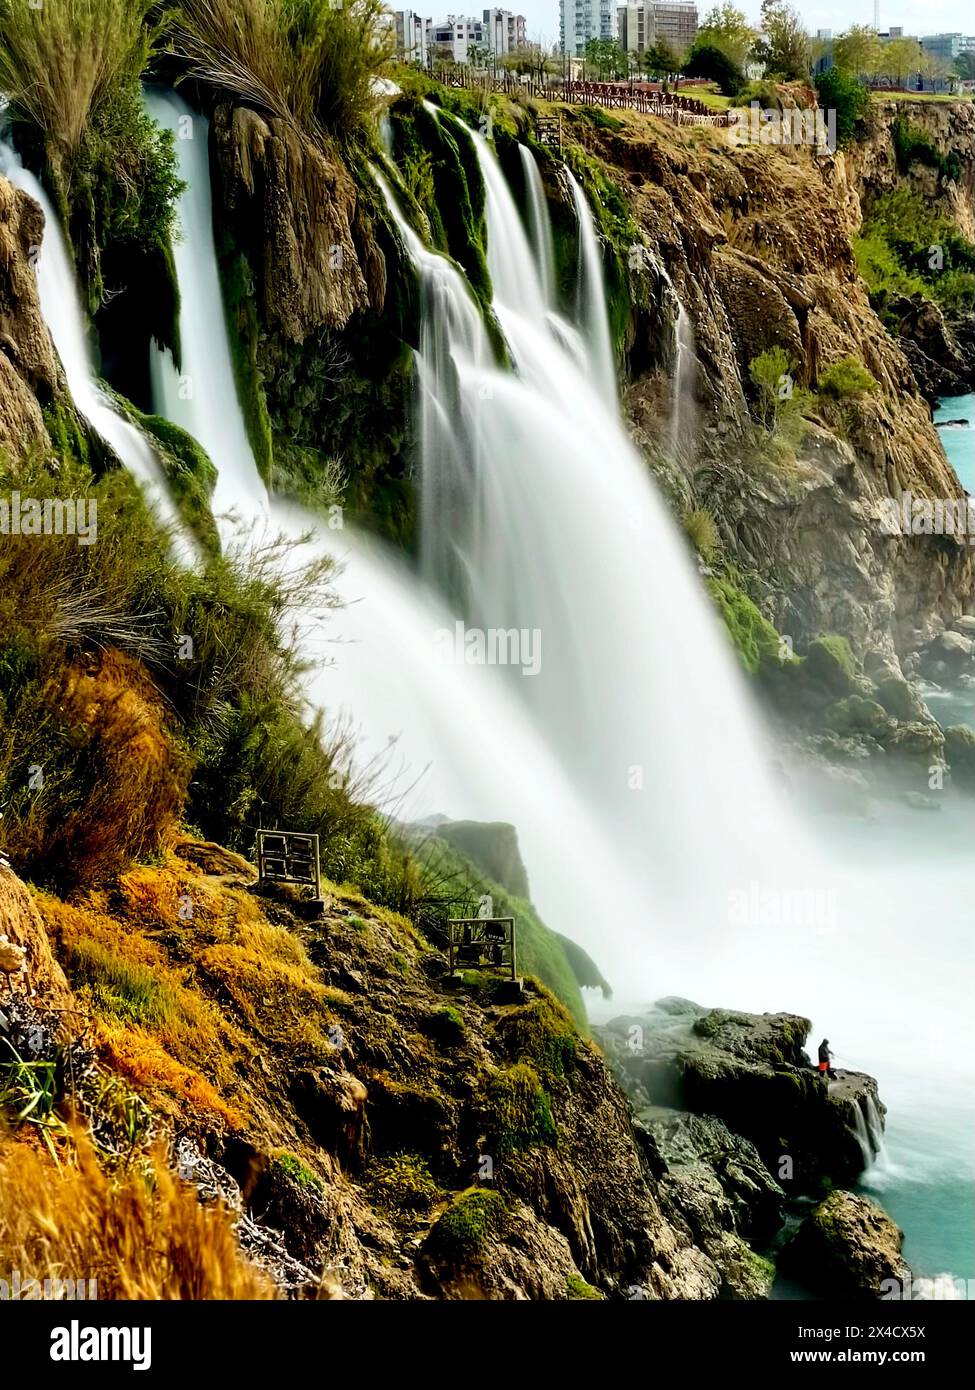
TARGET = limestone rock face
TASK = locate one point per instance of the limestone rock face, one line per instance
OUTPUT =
(299, 207)
(758, 245)
(751, 1072)
(30, 374)
(715, 1183)
(21, 924)
(848, 1247)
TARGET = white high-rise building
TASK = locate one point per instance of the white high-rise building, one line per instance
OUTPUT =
(583, 20)
(642, 23)
(411, 36)
(502, 32)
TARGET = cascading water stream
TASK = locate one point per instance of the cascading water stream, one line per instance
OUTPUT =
(563, 530)
(541, 230)
(61, 306)
(591, 302)
(201, 396)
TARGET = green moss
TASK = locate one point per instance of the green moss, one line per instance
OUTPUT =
(913, 146)
(472, 1218)
(445, 1026)
(617, 231)
(122, 989)
(755, 639)
(68, 434)
(403, 1183)
(296, 1170)
(190, 473)
(244, 334)
(542, 1033)
(453, 197)
(829, 658)
(576, 1289)
(518, 1108)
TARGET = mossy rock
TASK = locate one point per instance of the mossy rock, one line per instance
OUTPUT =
(403, 1184)
(541, 1033)
(190, 473)
(829, 662)
(755, 639)
(519, 1113)
(577, 1290)
(900, 699)
(473, 1218)
(960, 752)
(920, 744)
(855, 714)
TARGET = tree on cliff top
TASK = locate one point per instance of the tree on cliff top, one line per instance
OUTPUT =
(726, 28)
(784, 45)
(715, 64)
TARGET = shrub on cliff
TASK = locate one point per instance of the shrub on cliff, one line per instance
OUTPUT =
(848, 97)
(309, 63)
(72, 70)
(710, 62)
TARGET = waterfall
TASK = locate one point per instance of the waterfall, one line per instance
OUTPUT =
(561, 531)
(61, 306)
(868, 1126)
(591, 298)
(683, 413)
(202, 396)
(630, 764)
(541, 230)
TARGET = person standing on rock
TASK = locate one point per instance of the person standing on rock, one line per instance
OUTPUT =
(825, 1057)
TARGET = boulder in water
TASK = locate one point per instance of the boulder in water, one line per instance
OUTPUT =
(848, 1247)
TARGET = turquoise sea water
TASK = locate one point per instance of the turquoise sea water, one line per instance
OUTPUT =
(959, 441)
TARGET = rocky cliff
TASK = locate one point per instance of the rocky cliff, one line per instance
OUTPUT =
(757, 242)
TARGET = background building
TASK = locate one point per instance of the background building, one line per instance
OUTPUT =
(411, 36)
(949, 46)
(582, 20)
(640, 24)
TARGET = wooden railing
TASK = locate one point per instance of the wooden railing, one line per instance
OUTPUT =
(634, 96)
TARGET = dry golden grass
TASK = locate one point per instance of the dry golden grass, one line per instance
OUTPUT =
(142, 1060)
(114, 778)
(62, 59)
(140, 1236)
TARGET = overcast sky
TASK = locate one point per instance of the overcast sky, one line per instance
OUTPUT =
(936, 17)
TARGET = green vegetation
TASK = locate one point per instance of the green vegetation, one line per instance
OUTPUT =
(72, 69)
(446, 1026)
(576, 1289)
(309, 64)
(190, 474)
(846, 378)
(404, 1184)
(912, 146)
(846, 95)
(908, 247)
(779, 401)
(441, 163)
(701, 530)
(120, 988)
(472, 1218)
(543, 1034)
(519, 1113)
(755, 639)
(714, 64)
(297, 1171)
(133, 692)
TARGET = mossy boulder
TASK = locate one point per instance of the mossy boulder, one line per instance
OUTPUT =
(848, 1247)
(900, 699)
(855, 714)
(918, 745)
(960, 752)
(829, 663)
